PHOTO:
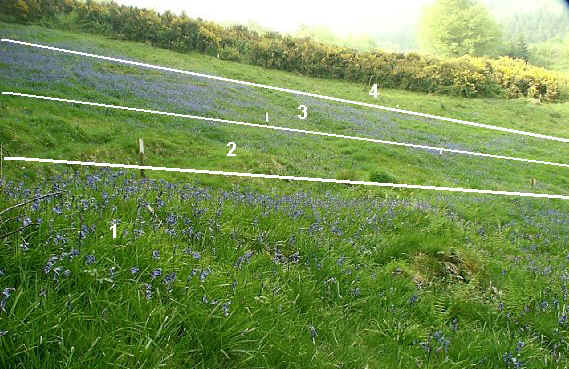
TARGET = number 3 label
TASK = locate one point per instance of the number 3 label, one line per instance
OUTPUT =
(233, 147)
(304, 112)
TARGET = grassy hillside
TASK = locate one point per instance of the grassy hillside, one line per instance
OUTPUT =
(212, 272)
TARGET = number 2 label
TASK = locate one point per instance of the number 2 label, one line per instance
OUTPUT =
(233, 147)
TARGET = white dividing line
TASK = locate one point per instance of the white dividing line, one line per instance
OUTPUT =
(292, 178)
(286, 129)
(296, 92)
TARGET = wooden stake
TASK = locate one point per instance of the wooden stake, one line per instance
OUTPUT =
(141, 155)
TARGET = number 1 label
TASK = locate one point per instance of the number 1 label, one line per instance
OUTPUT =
(114, 229)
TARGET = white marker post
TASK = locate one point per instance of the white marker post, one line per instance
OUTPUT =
(141, 155)
(267, 117)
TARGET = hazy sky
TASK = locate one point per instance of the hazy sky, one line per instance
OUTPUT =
(285, 16)
(355, 16)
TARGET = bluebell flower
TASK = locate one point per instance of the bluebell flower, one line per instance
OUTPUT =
(134, 270)
(454, 324)
(148, 291)
(196, 255)
(156, 273)
(225, 307)
(83, 232)
(243, 259)
(446, 344)
(7, 292)
(156, 254)
(27, 221)
(50, 263)
(90, 259)
(170, 278)
(204, 274)
(56, 272)
(438, 335)
(67, 273)
(171, 219)
(294, 258)
(24, 246)
(5, 296)
(313, 332)
(73, 253)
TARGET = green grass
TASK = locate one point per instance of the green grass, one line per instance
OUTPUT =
(405, 264)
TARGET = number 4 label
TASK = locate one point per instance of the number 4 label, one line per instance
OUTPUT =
(373, 92)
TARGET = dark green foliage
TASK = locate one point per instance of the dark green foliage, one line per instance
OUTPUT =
(382, 177)
(518, 49)
(458, 27)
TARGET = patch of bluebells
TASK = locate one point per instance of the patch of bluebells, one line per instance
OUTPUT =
(121, 185)
(242, 260)
(435, 343)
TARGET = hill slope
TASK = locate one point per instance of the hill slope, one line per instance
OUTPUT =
(255, 273)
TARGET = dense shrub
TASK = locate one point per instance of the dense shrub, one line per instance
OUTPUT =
(382, 177)
(465, 76)
(229, 53)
